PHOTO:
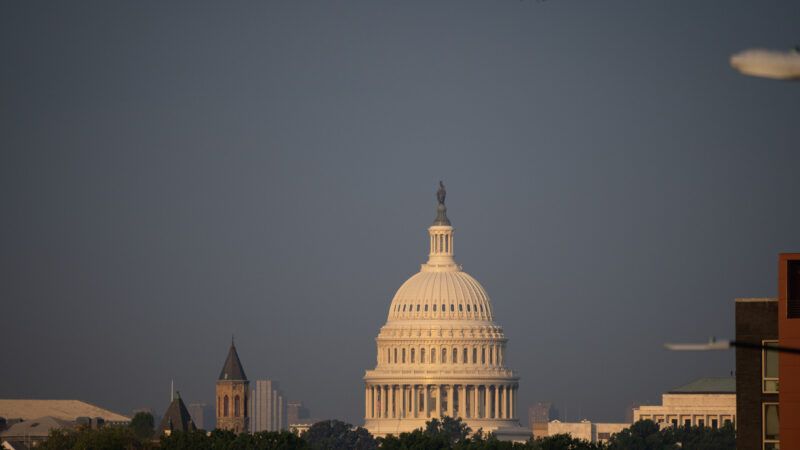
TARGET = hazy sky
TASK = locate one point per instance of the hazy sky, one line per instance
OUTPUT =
(172, 173)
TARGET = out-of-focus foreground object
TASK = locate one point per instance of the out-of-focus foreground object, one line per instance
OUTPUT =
(768, 63)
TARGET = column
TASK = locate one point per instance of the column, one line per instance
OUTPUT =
(496, 402)
(487, 405)
(425, 401)
(390, 402)
(462, 400)
(451, 391)
(438, 412)
(511, 396)
(414, 400)
(366, 402)
(504, 407)
(475, 400)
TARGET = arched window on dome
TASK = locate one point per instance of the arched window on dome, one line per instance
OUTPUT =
(483, 355)
(422, 356)
(433, 356)
(460, 307)
(491, 355)
(455, 355)
(434, 307)
(481, 308)
(464, 356)
(444, 355)
(404, 308)
(412, 356)
(474, 355)
(452, 307)
(467, 308)
(388, 356)
(443, 307)
(417, 307)
(426, 308)
(403, 356)
(395, 355)
(225, 410)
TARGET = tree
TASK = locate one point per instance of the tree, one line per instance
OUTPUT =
(143, 425)
(337, 435)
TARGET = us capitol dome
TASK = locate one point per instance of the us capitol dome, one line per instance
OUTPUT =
(440, 352)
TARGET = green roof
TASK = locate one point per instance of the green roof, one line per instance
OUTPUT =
(711, 385)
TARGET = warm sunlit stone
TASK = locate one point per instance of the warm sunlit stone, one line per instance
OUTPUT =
(440, 352)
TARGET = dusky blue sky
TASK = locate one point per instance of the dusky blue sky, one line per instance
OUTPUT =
(175, 172)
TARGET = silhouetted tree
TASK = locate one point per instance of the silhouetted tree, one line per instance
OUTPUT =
(143, 425)
(337, 435)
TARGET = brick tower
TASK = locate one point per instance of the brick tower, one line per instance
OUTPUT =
(233, 395)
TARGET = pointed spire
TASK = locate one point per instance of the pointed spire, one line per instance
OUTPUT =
(177, 417)
(232, 369)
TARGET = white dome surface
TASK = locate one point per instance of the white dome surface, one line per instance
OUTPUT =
(441, 295)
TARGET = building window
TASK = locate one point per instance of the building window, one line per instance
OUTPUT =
(434, 308)
(474, 356)
(455, 355)
(417, 308)
(714, 423)
(443, 308)
(225, 410)
(465, 356)
(433, 355)
(770, 421)
(460, 308)
(467, 308)
(412, 356)
(483, 355)
(422, 355)
(687, 423)
(236, 406)
(444, 355)
(452, 307)
(769, 368)
(426, 308)
(403, 356)
(793, 289)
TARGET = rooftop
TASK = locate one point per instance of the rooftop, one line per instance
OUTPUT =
(710, 385)
(27, 409)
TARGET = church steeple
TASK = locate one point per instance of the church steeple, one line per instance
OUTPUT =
(233, 394)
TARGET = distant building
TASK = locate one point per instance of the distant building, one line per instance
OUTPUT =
(296, 412)
(709, 402)
(65, 410)
(268, 407)
(756, 372)
(788, 365)
(585, 430)
(197, 411)
(30, 433)
(176, 418)
(233, 395)
(440, 352)
(539, 415)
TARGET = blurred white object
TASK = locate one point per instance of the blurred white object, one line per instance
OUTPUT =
(768, 64)
(713, 344)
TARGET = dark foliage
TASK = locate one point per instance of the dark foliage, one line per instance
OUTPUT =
(337, 435)
(143, 425)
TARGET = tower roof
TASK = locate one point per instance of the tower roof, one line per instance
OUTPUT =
(232, 370)
(177, 417)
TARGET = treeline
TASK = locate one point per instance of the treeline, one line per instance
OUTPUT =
(447, 434)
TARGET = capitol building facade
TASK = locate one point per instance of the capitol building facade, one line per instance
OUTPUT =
(440, 352)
